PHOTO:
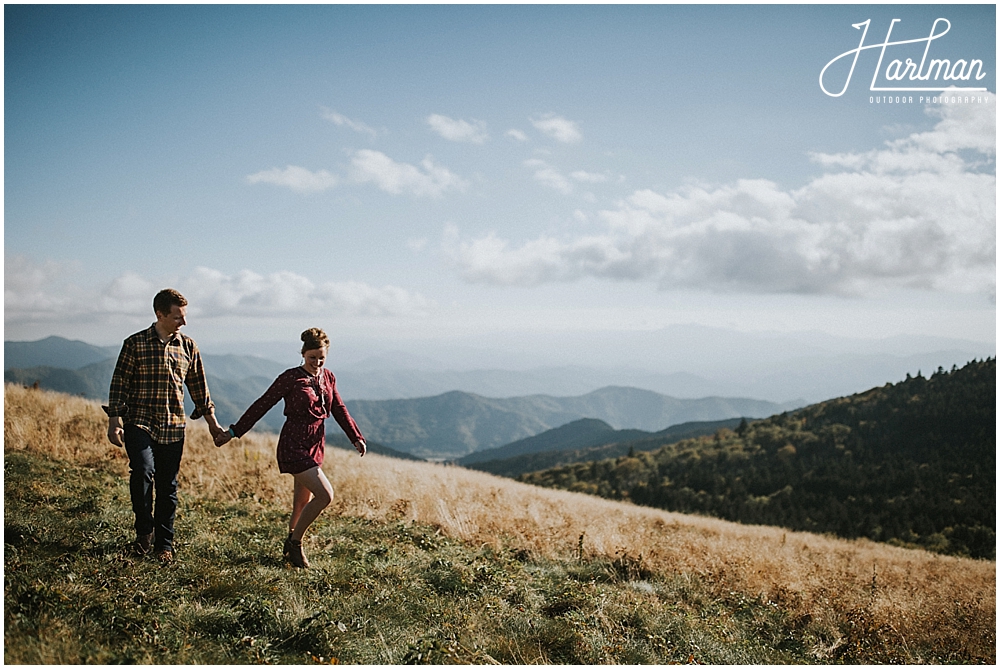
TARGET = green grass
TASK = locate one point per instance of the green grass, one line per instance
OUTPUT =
(378, 593)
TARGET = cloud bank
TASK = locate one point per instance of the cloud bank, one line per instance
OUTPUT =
(919, 212)
(44, 292)
(285, 293)
(36, 291)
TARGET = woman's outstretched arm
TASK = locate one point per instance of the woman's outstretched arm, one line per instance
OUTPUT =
(279, 388)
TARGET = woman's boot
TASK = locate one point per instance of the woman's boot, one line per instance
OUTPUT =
(295, 554)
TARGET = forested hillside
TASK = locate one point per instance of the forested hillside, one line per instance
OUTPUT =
(582, 441)
(582, 433)
(911, 463)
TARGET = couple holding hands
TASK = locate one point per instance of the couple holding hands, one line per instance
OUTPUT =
(146, 416)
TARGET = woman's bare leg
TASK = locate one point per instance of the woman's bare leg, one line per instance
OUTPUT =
(313, 482)
(300, 497)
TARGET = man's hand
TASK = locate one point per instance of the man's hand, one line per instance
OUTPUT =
(116, 433)
(213, 426)
(223, 438)
(361, 447)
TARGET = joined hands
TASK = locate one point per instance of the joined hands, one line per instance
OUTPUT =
(223, 437)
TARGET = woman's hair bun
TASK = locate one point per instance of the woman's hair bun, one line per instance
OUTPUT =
(314, 338)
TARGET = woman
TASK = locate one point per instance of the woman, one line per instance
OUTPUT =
(310, 395)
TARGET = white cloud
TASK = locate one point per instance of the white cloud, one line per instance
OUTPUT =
(517, 134)
(589, 177)
(919, 212)
(128, 293)
(549, 176)
(297, 178)
(558, 128)
(397, 178)
(35, 291)
(458, 130)
(962, 126)
(341, 120)
(429, 179)
(45, 292)
(285, 293)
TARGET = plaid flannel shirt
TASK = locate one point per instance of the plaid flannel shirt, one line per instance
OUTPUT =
(147, 388)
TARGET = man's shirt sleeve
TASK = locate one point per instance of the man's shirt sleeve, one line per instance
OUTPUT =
(121, 381)
(197, 384)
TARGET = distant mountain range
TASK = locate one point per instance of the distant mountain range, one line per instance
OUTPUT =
(811, 378)
(455, 424)
(445, 426)
(367, 381)
(382, 378)
(682, 361)
(234, 381)
(54, 352)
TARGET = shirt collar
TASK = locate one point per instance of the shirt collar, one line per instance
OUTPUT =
(155, 336)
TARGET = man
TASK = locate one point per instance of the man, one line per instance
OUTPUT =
(146, 417)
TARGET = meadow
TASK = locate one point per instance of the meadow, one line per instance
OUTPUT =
(425, 563)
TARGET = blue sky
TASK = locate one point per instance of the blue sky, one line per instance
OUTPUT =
(429, 178)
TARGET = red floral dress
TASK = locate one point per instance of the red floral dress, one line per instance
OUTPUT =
(308, 401)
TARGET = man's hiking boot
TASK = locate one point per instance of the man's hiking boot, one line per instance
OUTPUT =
(295, 554)
(165, 556)
(142, 544)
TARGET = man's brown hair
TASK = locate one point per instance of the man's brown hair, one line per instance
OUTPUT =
(166, 299)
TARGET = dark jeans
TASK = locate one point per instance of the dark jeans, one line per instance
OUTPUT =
(153, 465)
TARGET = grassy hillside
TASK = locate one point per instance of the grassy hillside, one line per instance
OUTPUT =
(913, 463)
(335, 438)
(91, 381)
(425, 563)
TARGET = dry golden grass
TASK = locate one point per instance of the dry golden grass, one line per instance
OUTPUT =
(903, 597)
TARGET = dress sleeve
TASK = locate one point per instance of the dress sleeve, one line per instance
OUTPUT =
(339, 412)
(262, 405)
